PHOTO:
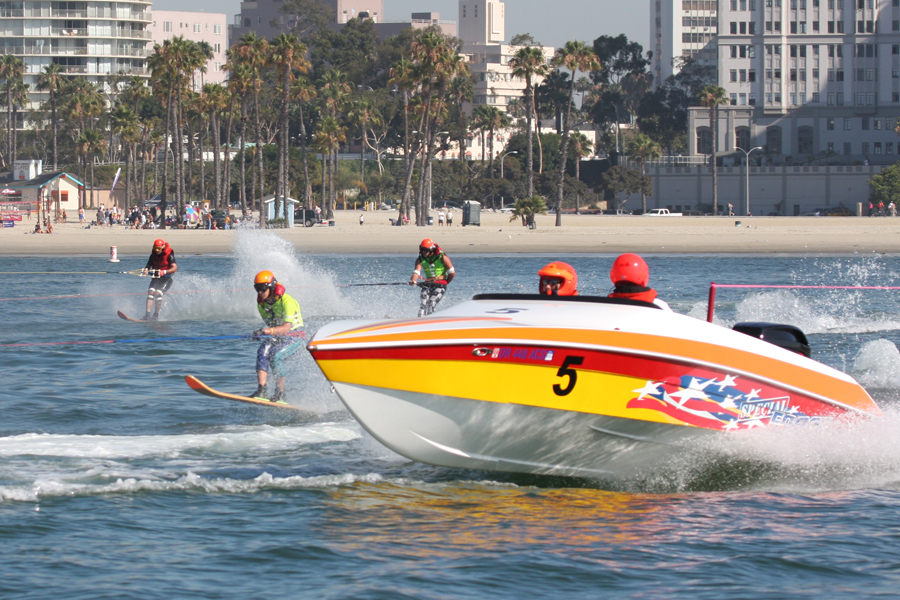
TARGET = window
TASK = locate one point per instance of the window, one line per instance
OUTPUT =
(793, 99)
(734, 52)
(865, 123)
(734, 28)
(847, 148)
(743, 75)
(793, 26)
(217, 48)
(167, 25)
(815, 97)
(840, 98)
(889, 148)
(733, 73)
(773, 140)
(830, 99)
(742, 99)
(876, 124)
(805, 140)
(198, 27)
(217, 29)
(865, 147)
(751, 99)
(877, 147)
(734, 99)
(846, 124)
(751, 76)
(704, 140)
(743, 27)
(829, 125)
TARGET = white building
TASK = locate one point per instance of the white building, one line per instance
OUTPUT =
(482, 30)
(682, 29)
(807, 81)
(211, 28)
(87, 39)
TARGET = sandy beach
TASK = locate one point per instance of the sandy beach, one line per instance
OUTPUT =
(497, 234)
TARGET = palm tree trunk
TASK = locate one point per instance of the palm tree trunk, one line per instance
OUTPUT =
(529, 166)
(217, 142)
(259, 158)
(226, 167)
(243, 155)
(164, 193)
(307, 186)
(715, 163)
(563, 156)
(53, 116)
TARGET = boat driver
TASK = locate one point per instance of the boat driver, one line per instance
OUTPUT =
(436, 271)
(282, 336)
(558, 279)
(630, 274)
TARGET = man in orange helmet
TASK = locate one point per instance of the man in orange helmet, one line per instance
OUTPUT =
(281, 337)
(630, 274)
(438, 272)
(160, 266)
(558, 279)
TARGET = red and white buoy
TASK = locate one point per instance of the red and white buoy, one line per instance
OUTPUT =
(113, 254)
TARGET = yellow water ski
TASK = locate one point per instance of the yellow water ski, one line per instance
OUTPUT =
(199, 386)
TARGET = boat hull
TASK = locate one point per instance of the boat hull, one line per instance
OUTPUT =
(555, 387)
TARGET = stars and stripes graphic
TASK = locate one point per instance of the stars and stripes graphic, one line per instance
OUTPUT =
(722, 403)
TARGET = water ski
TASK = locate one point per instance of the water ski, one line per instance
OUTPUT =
(127, 318)
(197, 385)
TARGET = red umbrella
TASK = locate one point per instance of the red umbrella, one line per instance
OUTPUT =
(7, 192)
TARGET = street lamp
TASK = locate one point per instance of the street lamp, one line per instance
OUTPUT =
(747, 167)
(501, 169)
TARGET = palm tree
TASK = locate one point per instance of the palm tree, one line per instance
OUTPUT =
(462, 91)
(91, 143)
(327, 140)
(526, 208)
(12, 70)
(581, 147)
(252, 51)
(643, 147)
(288, 55)
(214, 100)
(712, 96)
(125, 124)
(19, 99)
(304, 92)
(575, 56)
(51, 80)
(528, 63)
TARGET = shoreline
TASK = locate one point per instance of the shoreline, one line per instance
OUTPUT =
(580, 234)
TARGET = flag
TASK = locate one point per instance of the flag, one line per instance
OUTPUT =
(115, 180)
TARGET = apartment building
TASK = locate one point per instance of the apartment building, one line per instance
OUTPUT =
(211, 28)
(682, 29)
(807, 80)
(87, 39)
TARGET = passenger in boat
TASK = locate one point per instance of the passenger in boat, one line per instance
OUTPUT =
(631, 275)
(436, 271)
(282, 336)
(558, 279)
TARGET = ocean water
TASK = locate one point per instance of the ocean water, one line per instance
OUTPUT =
(118, 481)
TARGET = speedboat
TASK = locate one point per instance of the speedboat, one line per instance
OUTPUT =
(576, 386)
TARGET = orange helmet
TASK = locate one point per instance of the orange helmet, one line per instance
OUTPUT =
(562, 272)
(427, 245)
(265, 280)
(160, 243)
(631, 268)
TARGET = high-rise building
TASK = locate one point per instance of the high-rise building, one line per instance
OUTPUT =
(681, 29)
(805, 80)
(211, 28)
(93, 40)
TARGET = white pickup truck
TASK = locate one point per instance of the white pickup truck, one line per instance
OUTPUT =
(660, 212)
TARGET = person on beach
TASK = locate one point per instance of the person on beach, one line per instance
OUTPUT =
(630, 274)
(81, 216)
(160, 266)
(362, 219)
(449, 217)
(282, 336)
(558, 279)
(436, 271)
(440, 218)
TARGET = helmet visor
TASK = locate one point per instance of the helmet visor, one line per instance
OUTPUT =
(261, 287)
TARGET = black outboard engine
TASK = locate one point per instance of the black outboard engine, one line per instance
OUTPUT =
(784, 336)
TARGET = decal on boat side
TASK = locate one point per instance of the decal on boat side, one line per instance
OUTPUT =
(715, 404)
(522, 353)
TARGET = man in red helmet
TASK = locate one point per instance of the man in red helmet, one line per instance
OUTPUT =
(558, 279)
(281, 337)
(160, 266)
(631, 275)
(438, 272)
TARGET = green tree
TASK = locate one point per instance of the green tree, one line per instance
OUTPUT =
(642, 147)
(51, 80)
(574, 56)
(12, 70)
(529, 63)
(713, 96)
(885, 186)
(526, 208)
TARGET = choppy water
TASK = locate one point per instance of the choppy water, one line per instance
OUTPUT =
(117, 481)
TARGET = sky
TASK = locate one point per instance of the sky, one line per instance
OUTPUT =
(549, 23)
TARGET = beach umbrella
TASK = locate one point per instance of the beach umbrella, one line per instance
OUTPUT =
(7, 192)
(192, 214)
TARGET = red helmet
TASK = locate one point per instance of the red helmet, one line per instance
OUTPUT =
(631, 268)
(160, 243)
(562, 272)
(426, 245)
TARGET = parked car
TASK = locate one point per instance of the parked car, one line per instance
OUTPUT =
(616, 211)
(692, 213)
(839, 211)
(447, 204)
(305, 217)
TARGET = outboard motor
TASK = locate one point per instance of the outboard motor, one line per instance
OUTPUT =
(784, 336)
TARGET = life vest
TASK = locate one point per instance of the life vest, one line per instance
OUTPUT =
(284, 310)
(163, 260)
(434, 267)
(634, 292)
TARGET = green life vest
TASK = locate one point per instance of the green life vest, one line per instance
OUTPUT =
(434, 266)
(285, 310)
